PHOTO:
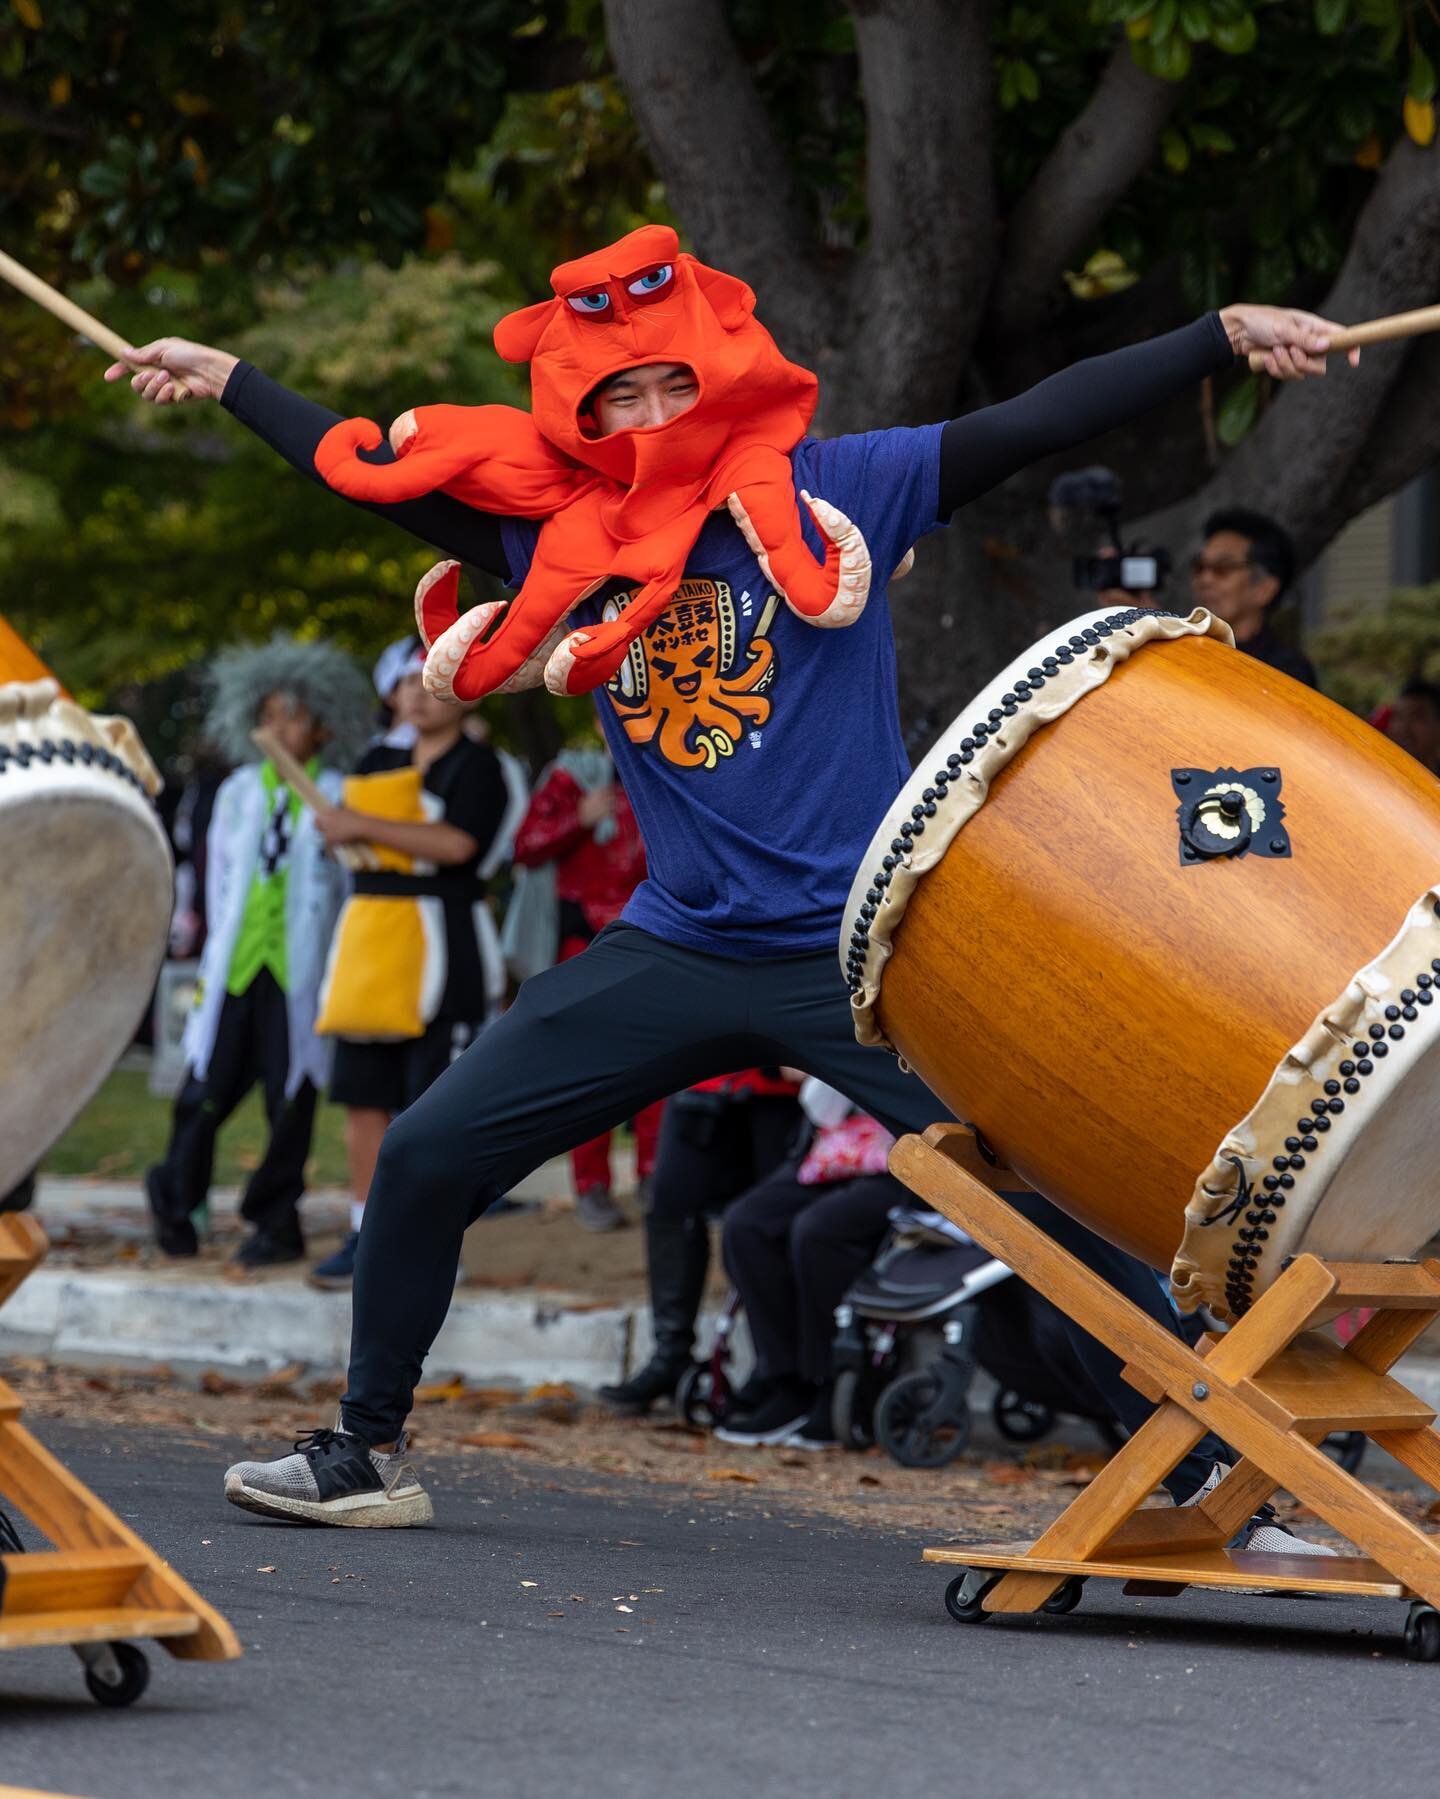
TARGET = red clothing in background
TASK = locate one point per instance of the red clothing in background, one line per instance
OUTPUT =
(596, 877)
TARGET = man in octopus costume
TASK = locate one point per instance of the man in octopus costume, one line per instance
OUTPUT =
(653, 513)
(628, 504)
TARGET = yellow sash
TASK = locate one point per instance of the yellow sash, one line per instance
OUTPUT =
(386, 970)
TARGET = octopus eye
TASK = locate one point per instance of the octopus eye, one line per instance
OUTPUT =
(591, 304)
(652, 280)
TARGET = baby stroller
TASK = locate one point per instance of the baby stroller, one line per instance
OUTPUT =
(912, 1330)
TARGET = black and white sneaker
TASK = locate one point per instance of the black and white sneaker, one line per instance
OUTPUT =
(818, 1430)
(1262, 1533)
(783, 1409)
(333, 1478)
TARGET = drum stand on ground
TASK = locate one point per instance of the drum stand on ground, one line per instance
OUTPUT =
(1272, 1386)
(101, 1584)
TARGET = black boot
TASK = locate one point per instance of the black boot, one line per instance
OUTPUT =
(174, 1229)
(678, 1251)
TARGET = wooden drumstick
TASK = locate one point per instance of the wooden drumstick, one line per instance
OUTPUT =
(76, 317)
(1373, 331)
(292, 773)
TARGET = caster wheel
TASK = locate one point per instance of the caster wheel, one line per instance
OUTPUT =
(919, 1424)
(849, 1414)
(966, 1607)
(695, 1398)
(131, 1670)
(1422, 1633)
(1021, 1420)
(1065, 1598)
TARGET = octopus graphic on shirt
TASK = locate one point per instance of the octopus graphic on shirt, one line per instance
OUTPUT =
(687, 685)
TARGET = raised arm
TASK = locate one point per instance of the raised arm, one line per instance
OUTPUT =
(293, 426)
(984, 448)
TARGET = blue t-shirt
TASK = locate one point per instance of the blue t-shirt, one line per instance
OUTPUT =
(759, 753)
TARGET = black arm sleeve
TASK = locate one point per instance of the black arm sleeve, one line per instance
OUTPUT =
(984, 448)
(293, 427)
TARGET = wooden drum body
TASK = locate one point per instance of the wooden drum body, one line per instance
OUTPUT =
(86, 883)
(1214, 1059)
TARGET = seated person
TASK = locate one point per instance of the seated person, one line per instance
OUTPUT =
(792, 1246)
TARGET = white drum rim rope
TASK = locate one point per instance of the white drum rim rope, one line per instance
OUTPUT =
(1321, 1098)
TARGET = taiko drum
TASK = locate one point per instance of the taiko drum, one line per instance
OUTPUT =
(1162, 924)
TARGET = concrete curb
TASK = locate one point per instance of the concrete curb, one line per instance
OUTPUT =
(83, 1318)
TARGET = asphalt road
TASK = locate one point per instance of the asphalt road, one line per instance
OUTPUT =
(759, 1655)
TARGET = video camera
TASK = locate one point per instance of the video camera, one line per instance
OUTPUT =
(1093, 495)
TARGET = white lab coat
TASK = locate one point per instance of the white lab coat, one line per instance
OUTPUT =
(313, 892)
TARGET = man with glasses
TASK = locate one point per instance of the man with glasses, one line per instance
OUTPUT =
(1243, 567)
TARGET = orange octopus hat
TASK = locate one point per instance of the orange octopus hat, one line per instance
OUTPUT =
(626, 505)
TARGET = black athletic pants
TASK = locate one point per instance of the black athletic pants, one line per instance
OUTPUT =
(252, 1043)
(792, 1253)
(585, 1045)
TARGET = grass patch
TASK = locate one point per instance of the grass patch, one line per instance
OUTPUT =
(126, 1127)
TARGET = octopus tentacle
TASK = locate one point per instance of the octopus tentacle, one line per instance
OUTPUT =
(852, 587)
(588, 658)
(446, 657)
(437, 601)
(828, 594)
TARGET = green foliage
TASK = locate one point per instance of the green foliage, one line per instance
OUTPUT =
(149, 538)
(1368, 652)
(351, 195)
(176, 127)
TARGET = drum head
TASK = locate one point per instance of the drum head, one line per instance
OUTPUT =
(85, 874)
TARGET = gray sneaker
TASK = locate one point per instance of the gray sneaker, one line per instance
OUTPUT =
(1263, 1532)
(596, 1209)
(333, 1478)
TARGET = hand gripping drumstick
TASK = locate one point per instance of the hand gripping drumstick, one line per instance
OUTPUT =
(1373, 331)
(348, 855)
(76, 317)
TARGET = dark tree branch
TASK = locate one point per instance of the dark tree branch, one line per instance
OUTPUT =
(1406, 438)
(1297, 463)
(919, 288)
(1097, 158)
(723, 167)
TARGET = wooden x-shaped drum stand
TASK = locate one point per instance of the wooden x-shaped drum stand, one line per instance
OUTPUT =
(101, 1583)
(1272, 1386)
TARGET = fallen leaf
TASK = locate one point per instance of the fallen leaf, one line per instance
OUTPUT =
(554, 1614)
(211, 1382)
(1009, 1474)
(529, 1583)
(280, 1384)
(551, 1389)
(437, 1392)
(624, 1608)
(269, 1568)
(750, 1480)
(869, 1480)
(496, 1439)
